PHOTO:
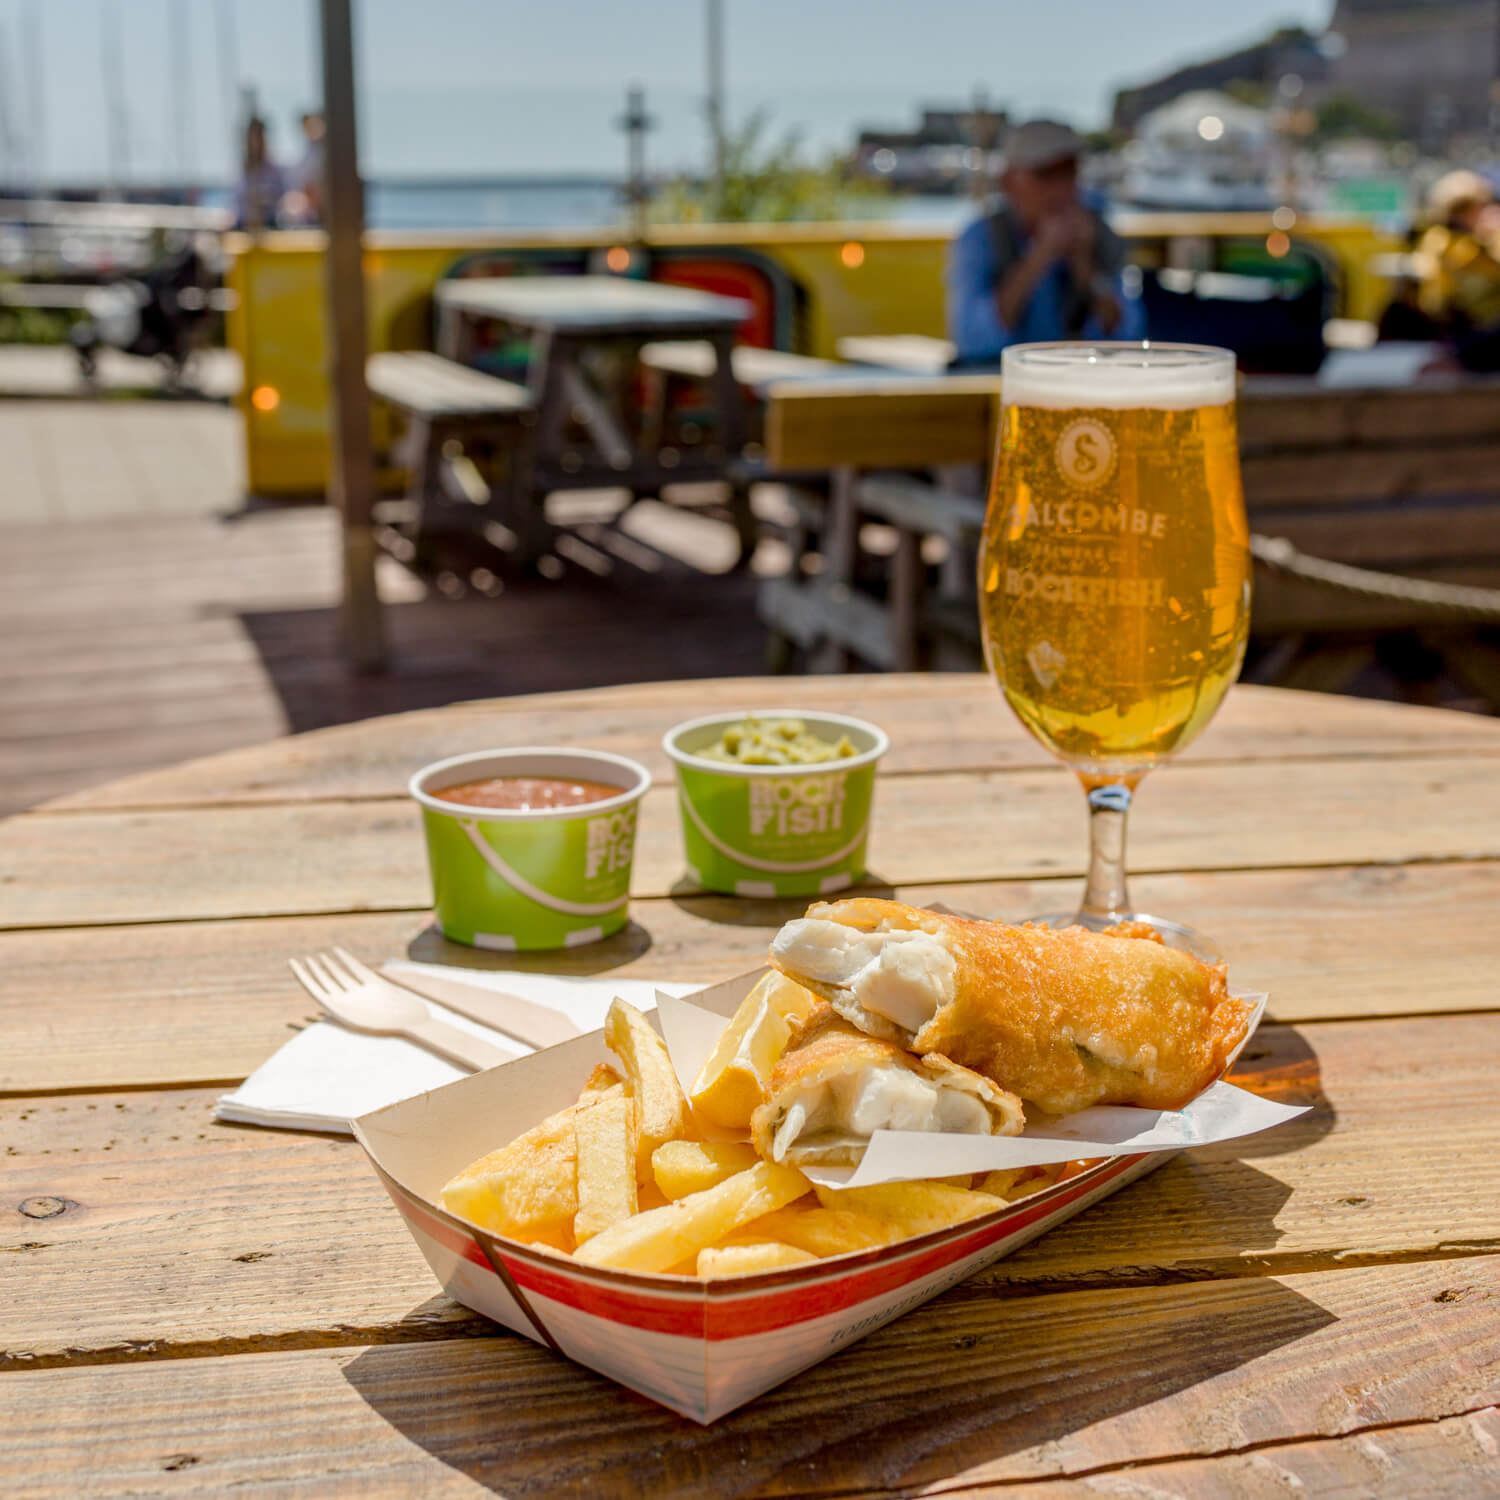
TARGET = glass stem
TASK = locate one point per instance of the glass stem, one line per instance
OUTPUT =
(1105, 898)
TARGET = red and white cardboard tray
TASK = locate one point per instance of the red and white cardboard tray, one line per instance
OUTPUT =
(703, 1348)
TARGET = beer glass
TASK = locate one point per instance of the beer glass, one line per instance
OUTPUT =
(1114, 572)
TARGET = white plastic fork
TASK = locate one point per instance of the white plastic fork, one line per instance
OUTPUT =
(359, 998)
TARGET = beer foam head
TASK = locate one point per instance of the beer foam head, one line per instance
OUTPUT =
(1170, 377)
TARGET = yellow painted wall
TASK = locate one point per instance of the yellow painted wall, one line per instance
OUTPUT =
(277, 325)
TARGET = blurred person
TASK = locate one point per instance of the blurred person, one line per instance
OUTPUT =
(1042, 264)
(303, 202)
(262, 185)
(1403, 321)
(1459, 258)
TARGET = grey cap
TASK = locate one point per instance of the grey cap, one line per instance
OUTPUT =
(1041, 143)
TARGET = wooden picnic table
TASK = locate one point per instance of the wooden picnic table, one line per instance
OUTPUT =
(586, 379)
(1371, 512)
(188, 1307)
(595, 305)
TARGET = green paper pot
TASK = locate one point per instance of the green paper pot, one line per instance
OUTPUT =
(551, 878)
(775, 830)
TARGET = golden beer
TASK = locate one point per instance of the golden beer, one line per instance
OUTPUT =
(1114, 571)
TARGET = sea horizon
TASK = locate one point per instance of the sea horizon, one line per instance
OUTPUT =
(500, 200)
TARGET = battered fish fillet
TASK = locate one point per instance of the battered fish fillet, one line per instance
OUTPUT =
(1066, 1018)
(834, 1085)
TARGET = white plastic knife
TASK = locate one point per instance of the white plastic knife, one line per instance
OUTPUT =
(538, 1026)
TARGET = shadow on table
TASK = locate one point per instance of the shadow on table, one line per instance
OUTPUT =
(971, 1380)
(539, 636)
(1279, 1063)
(429, 946)
(768, 912)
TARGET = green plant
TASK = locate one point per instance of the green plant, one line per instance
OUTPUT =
(763, 182)
(34, 325)
(1249, 91)
(1341, 116)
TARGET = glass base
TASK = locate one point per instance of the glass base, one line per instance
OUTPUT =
(1174, 934)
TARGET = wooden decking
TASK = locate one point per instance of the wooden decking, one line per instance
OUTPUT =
(146, 641)
(151, 617)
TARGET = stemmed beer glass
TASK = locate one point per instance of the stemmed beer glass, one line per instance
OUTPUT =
(1114, 573)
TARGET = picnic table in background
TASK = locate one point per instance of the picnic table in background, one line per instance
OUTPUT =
(584, 336)
(1371, 510)
(913, 353)
(195, 1307)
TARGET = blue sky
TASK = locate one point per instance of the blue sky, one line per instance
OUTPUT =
(515, 86)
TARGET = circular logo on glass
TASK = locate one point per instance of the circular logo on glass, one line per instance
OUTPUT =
(1086, 452)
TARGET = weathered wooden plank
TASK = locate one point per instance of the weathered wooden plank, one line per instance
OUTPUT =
(182, 1003)
(220, 683)
(1287, 604)
(150, 865)
(41, 779)
(57, 756)
(913, 353)
(232, 563)
(887, 422)
(247, 556)
(972, 1389)
(823, 613)
(1416, 1461)
(107, 538)
(1360, 474)
(942, 722)
(375, 758)
(1291, 413)
(427, 383)
(139, 602)
(244, 1222)
(251, 702)
(753, 366)
(892, 422)
(1406, 538)
(129, 646)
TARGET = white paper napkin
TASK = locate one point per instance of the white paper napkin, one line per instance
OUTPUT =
(327, 1075)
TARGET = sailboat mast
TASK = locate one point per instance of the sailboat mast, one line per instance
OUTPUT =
(714, 104)
(36, 97)
(11, 169)
(116, 118)
(229, 77)
(179, 42)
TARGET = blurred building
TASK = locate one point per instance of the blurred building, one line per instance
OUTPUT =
(1291, 52)
(1421, 69)
(948, 151)
(1429, 64)
(1203, 150)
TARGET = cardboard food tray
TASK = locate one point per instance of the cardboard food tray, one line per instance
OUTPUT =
(700, 1348)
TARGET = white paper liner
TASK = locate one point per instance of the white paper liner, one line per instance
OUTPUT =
(1221, 1112)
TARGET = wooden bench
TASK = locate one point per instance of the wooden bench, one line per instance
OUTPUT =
(1400, 482)
(870, 434)
(678, 368)
(911, 353)
(451, 413)
(753, 367)
(1403, 481)
(56, 296)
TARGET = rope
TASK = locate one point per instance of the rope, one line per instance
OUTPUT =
(1442, 598)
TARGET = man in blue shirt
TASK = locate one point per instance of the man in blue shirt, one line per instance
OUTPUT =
(1042, 264)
